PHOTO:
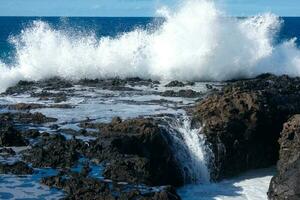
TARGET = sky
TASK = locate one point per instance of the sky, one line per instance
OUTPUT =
(136, 7)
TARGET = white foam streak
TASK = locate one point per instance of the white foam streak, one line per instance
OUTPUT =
(191, 151)
(198, 152)
(196, 42)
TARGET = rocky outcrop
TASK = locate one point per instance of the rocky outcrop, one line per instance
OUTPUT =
(175, 84)
(286, 184)
(25, 118)
(79, 186)
(54, 151)
(137, 151)
(9, 136)
(18, 168)
(243, 122)
(181, 93)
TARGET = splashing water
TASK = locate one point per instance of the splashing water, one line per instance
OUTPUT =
(191, 151)
(196, 42)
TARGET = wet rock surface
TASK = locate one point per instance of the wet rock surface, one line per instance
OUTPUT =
(79, 186)
(9, 136)
(286, 185)
(54, 151)
(243, 122)
(32, 106)
(137, 150)
(26, 118)
(175, 84)
(17, 168)
(181, 93)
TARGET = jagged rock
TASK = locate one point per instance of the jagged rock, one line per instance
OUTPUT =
(181, 93)
(18, 168)
(34, 118)
(21, 87)
(78, 186)
(286, 185)
(48, 84)
(175, 84)
(138, 151)
(243, 122)
(54, 151)
(55, 83)
(9, 136)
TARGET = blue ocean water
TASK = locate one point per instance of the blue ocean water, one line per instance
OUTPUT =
(103, 26)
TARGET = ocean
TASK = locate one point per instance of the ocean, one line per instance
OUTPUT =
(100, 26)
(195, 44)
(103, 27)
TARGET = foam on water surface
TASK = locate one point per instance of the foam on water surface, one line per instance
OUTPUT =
(28, 187)
(252, 185)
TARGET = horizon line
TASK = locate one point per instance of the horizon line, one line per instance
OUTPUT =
(83, 16)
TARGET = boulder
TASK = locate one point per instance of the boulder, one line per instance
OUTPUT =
(9, 137)
(175, 84)
(286, 184)
(138, 151)
(243, 122)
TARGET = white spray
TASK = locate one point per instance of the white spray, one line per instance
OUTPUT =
(191, 151)
(196, 42)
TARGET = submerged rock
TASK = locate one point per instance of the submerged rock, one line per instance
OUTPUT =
(243, 122)
(286, 185)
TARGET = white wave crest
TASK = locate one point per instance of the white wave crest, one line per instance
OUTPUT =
(196, 42)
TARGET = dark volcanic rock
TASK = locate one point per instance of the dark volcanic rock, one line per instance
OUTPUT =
(34, 118)
(55, 83)
(48, 84)
(175, 84)
(57, 97)
(18, 168)
(9, 136)
(181, 93)
(54, 151)
(21, 87)
(31, 134)
(78, 186)
(138, 151)
(7, 151)
(243, 122)
(286, 184)
(24, 106)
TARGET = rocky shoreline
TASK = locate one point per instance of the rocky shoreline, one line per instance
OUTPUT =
(242, 124)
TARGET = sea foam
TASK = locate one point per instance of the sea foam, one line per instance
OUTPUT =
(196, 42)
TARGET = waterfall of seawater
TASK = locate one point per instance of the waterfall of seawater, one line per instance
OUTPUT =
(191, 151)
